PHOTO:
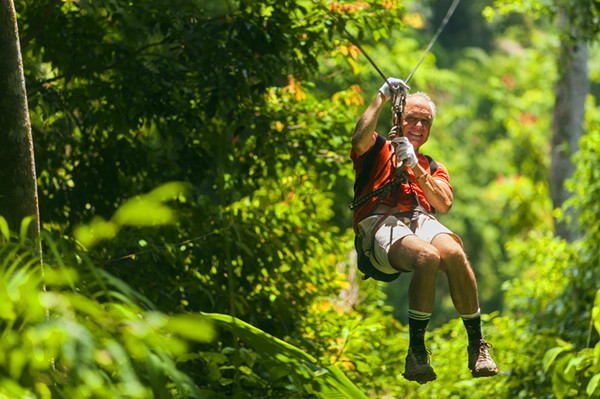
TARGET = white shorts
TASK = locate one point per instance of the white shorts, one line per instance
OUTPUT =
(379, 235)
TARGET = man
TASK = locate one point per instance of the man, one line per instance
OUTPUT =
(400, 233)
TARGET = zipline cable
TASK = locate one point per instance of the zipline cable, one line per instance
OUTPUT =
(435, 37)
(429, 46)
(357, 44)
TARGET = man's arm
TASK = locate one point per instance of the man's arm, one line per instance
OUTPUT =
(437, 192)
(362, 137)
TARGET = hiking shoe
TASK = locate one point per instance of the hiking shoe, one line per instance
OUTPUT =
(480, 361)
(417, 366)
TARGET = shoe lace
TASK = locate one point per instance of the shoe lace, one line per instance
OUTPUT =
(483, 350)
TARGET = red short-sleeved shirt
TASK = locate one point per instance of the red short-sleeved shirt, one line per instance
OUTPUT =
(382, 172)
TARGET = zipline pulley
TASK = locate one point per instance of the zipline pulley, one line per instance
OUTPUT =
(398, 103)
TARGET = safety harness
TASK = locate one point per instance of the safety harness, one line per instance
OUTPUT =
(363, 261)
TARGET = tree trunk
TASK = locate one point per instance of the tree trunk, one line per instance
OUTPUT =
(18, 189)
(571, 90)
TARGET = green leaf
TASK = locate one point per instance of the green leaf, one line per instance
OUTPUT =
(4, 229)
(194, 327)
(551, 355)
(336, 381)
(596, 312)
(561, 381)
(142, 212)
(261, 341)
(289, 359)
(25, 228)
(593, 385)
(98, 229)
(166, 192)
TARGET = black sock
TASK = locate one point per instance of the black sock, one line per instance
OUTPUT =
(417, 325)
(473, 327)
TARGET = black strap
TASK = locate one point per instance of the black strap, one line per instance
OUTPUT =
(381, 192)
(432, 165)
(363, 176)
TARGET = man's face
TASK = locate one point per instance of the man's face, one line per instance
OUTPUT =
(416, 121)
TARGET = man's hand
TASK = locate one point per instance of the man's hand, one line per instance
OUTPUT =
(396, 83)
(405, 152)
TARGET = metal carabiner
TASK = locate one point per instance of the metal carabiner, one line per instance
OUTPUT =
(399, 94)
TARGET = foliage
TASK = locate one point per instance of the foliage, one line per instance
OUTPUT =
(559, 289)
(361, 339)
(582, 16)
(265, 365)
(80, 332)
(77, 332)
(160, 108)
(283, 362)
(258, 153)
(248, 106)
(577, 373)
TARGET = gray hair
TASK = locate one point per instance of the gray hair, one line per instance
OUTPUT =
(420, 94)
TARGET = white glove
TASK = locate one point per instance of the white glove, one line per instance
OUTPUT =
(396, 83)
(405, 152)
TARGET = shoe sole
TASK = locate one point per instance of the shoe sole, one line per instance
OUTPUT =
(484, 373)
(421, 379)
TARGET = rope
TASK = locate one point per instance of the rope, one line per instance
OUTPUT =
(435, 37)
(357, 44)
(429, 46)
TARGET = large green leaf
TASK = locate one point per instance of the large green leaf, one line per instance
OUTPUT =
(331, 382)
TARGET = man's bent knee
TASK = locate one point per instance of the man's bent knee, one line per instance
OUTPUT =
(451, 253)
(412, 254)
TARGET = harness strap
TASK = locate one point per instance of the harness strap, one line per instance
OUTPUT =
(383, 191)
(363, 177)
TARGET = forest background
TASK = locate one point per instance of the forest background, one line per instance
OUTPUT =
(192, 165)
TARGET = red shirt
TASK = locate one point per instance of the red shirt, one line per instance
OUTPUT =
(383, 172)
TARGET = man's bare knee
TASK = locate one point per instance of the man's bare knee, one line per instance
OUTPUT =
(414, 254)
(429, 259)
(452, 255)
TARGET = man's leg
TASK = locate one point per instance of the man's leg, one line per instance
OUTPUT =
(413, 254)
(461, 280)
(463, 290)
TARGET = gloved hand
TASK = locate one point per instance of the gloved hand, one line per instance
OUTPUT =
(386, 90)
(405, 152)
